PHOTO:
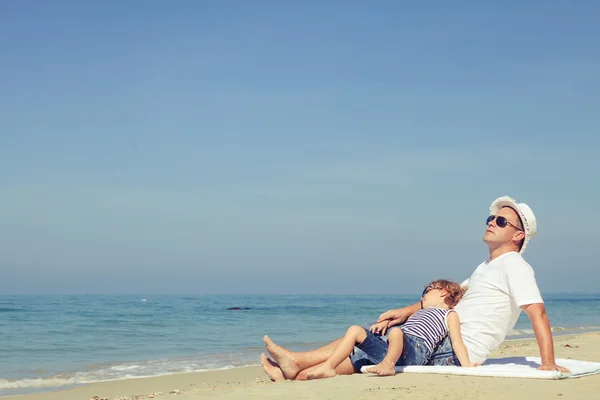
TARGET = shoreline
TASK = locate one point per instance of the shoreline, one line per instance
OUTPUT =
(28, 390)
(251, 382)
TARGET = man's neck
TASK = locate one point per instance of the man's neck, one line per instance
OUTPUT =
(497, 252)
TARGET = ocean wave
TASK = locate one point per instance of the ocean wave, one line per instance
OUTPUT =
(137, 370)
(37, 383)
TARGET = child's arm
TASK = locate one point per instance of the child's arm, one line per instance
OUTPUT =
(458, 345)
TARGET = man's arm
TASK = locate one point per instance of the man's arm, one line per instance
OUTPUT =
(541, 327)
(526, 294)
(399, 315)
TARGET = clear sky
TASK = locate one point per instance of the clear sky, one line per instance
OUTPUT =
(292, 147)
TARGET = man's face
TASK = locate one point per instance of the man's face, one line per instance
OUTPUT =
(501, 236)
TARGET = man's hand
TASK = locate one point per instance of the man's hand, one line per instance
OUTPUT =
(379, 328)
(393, 317)
(553, 367)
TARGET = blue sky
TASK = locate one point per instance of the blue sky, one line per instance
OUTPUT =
(271, 147)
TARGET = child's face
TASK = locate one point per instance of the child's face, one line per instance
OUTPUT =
(434, 295)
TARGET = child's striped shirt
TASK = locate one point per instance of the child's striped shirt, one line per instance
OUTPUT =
(428, 324)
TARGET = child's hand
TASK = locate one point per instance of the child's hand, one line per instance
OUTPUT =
(472, 365)
(379, 328)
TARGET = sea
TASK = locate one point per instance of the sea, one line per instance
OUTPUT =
(52, 342)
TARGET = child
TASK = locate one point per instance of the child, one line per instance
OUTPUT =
(415, 340)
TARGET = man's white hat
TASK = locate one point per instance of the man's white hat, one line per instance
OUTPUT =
(525, 213)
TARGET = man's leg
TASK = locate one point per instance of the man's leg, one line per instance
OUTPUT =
(291, 363)
(353, 336)
(271, 368)
(345, 368)
(371, 351)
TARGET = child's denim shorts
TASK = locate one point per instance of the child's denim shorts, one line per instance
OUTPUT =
(374, 348)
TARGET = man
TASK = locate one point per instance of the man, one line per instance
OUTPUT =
(497, 291)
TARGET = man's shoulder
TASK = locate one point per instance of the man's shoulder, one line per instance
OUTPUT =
(515, 260)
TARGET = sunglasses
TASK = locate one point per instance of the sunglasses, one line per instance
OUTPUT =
(500, 222)
(430, 288)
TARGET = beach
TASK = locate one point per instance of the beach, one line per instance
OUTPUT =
(252, 383)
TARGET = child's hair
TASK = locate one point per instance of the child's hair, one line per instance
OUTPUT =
(455, 291)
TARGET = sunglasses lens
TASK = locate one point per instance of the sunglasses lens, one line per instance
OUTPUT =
(501, 222)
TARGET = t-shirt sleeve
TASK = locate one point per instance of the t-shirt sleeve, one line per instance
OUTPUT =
(521, 282)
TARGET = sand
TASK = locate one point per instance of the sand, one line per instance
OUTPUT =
(252, 383)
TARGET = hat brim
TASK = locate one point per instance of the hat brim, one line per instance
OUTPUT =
(510, 202)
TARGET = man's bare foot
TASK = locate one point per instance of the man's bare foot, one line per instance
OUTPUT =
(323, 371)
(271, 368)
(383, 369)
(283, 357)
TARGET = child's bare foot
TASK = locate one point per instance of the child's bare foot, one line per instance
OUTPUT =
(383, 369)
(283, 357)
(322, 371)
(271, 368)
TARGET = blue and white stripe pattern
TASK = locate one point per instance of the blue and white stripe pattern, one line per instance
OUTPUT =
(428, 324)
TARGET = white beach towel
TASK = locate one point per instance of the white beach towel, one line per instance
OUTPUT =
(510, 367)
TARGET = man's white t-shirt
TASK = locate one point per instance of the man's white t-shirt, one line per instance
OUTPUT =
(491, 305)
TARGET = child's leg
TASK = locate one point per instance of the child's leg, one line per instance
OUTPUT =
(387, 367)
(354, 335)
